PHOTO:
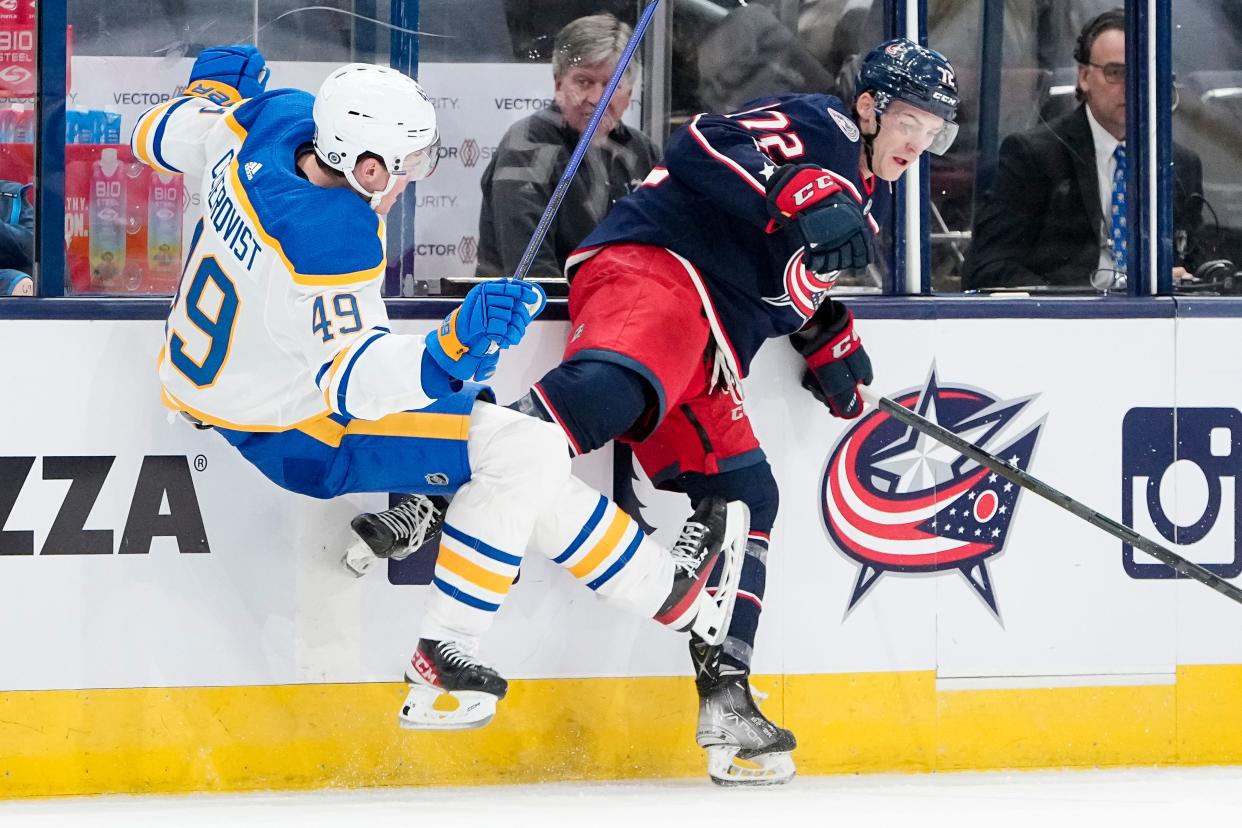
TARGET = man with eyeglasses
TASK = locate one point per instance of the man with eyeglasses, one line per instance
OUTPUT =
(1056, 214)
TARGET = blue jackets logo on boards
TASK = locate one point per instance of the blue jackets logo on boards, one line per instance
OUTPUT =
(897, 501)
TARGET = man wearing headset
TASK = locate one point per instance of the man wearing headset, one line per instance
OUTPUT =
(1056, 213)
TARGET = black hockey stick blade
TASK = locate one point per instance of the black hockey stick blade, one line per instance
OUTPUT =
(1033, 484)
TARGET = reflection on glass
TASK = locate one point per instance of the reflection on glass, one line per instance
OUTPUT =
(125, 223)
(725, 54)
(534, 153)
(485, 65)
(17, 135)
(971, 177)
(1036, 197)
(1207, 60)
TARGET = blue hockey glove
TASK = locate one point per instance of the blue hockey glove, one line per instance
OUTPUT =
(487, 367)
(493, 313)
(828, 219)
(227, 74)
(835, 358)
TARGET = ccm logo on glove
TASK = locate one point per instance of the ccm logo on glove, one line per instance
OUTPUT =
(796, 188)
(838, 349)
(836, 362)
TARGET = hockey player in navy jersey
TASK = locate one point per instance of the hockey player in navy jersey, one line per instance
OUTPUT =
(278, 339)
(735, 240)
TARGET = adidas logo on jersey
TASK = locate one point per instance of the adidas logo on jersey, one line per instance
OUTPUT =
(251, 168)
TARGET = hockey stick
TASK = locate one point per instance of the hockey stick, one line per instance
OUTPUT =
(1026, 481)
(584, 143)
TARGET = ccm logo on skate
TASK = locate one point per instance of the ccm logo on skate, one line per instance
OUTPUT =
(1179, 477)
(894, 502)
(425, 669)
(163, 503)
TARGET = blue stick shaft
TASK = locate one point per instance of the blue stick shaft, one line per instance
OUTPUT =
(584, 143)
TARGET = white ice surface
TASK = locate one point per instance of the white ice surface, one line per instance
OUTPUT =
(1057, 799)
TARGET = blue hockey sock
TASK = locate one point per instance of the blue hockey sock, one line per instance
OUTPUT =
(592, 401)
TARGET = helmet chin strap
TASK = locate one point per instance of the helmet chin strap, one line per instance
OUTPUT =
(869, 141)
(374, 197)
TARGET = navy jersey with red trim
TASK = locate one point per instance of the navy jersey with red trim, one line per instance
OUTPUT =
(708, 204)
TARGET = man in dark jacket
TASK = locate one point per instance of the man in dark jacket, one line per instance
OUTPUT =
(1056, 213)
(533, 154)
(16, 240)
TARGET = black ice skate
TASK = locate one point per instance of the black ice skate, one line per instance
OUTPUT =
(440, 668)
(743, 747)
(717, 529)
(393, 533)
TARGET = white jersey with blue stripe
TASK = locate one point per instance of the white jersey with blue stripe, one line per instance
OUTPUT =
(278, 320)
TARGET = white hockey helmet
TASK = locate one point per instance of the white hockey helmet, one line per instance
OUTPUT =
(367, 108)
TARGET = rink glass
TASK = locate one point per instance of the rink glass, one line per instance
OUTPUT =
(1207, 121)
(19, 84)
(485, 64)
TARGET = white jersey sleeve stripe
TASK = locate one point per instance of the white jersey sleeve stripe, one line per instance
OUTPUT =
(157, 135)
(340, 378)
(372, 377)
(142, 142)
(328, 373)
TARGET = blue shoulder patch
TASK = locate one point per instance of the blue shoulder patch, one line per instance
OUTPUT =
(323, 231)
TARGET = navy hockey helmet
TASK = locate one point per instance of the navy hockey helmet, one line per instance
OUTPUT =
(901, 70)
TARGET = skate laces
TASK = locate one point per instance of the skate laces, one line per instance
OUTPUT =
(688, 550)
(410, 519)
(457, 656)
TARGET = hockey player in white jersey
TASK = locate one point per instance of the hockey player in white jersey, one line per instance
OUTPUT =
(278, 339)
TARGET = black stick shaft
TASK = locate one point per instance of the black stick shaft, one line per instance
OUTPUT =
(584, 143)
(1032, 484)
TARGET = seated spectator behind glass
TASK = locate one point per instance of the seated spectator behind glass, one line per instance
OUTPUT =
(16, 240)
(1056, 212)
(752, 54)
(533, 154)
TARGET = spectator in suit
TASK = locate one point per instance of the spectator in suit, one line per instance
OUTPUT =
(16, 240)
(1056, 212)
(532, 155)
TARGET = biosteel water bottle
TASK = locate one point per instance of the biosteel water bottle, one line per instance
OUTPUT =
(111, 126)
(23, 124)
(6, 125)
(107, 220)
(164, 196)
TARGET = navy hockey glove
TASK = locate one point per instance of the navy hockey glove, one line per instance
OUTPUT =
(227, 74)
(493, 313)
(828, 219)
(835, 358)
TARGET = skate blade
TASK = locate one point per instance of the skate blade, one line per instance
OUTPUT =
(358, 558)
(727, 770)
(712, 621)
(427, 708)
